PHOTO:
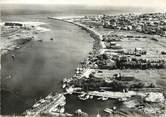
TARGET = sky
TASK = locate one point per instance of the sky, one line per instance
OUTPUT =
(142, 3)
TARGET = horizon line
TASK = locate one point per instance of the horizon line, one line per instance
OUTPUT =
(90, 5)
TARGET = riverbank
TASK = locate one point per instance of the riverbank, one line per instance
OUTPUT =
(42, 64)
(97, 37)
(74, 85)
(89, 81)
(13, 36)
(94, 34)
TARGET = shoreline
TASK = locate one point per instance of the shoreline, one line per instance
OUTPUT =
(98, 38)
(96, 48)
(9, 44)
(94, 34)
(15, 44)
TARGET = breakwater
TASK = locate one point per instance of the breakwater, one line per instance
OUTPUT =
(89, 30)
(98, 44)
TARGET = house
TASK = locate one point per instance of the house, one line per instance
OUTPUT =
(13, 24)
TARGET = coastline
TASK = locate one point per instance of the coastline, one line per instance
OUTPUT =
(10, 43)
(94, 34)
(98, 38)
(96, 47)
(54, 42)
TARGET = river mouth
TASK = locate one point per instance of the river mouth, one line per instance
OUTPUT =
(39, 67)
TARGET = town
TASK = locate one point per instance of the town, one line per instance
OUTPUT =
(127, 64)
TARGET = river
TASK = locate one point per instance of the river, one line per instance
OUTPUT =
(39, 67)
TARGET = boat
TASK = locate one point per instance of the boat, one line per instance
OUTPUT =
(9, 77)
(64, 80)
(91, 97)
(99, 98)
(36, 105)
(107, 110)
(62, 110)
(69, 90)
(40, 40)
(18, 47)
(13, 57)
(122, 99)
(42, 101)
(82, 98)
(68, 115)
(62, 103)
(82, 95)
(87, 96)
(63, 86)
(98, 115)
(55, 110)
(49, 97)
(104, 98)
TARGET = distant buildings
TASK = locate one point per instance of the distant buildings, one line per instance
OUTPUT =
(13, 24)
(146, 23)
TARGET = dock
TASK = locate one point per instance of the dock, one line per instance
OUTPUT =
(49, 106)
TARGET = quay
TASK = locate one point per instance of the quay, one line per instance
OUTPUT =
(51, 105)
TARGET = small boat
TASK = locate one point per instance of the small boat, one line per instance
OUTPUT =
(70, 90)
(18, 47)
(36, 105)
(51, 39)
(50, 96)
(107, 110)
(98, 115)
(99, 98)
(42, 101)
(105, 98)
(87, 96)
(65, 80)
(54, 110)
(82, 95)
(122, 99)
(9, 77)
(91, 97)
(40, 40)
(63, 86)
(62, 110)
(62, 103)
(68, 115)
(36, 32)
(13, 57)
(82, 98)
(114, 108)
(77, 72)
